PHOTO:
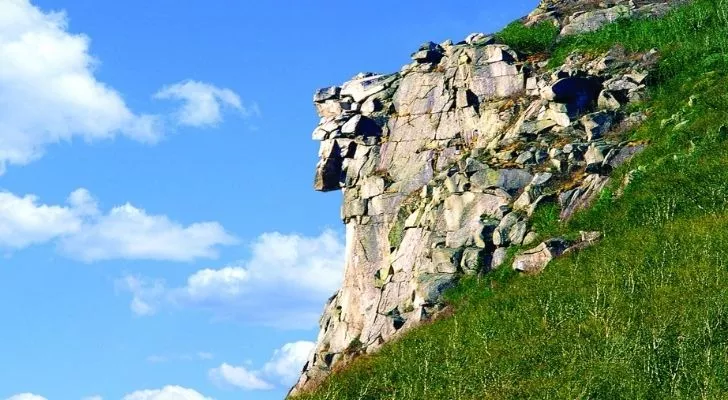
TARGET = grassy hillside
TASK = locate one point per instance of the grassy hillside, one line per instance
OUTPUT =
(642, 315)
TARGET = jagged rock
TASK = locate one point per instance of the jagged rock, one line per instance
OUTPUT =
(597, 124)
(360, 125)
(473, 260)
(469, 206)
(371, 105)
(446, 260)
(624, 155)
(558, 115)
(535, 260)
(533, 192)
(594, 158)
(326, 94)
(580, 198)
(608, 101)
(433, 285)
(593, 20)
(513, 180)
(365, 86)
(479, 39)
(429, 53)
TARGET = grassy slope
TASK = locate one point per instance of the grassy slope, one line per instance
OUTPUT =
(643, 315)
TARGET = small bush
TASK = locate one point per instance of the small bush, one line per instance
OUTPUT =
(530, 40)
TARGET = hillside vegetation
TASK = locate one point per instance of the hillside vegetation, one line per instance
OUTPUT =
(642, 315)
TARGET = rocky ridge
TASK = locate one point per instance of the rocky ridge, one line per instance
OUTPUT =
(443, 163)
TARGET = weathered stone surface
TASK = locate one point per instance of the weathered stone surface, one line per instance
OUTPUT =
(577, 199)
(429, 53)
(361, 88)
(535, 260)
(499, 79)
(326, 94)
(597, 124)
(474, 260)
(593, 20)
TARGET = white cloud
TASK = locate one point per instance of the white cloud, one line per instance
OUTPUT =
(82, 231)
(130, 233)
(93, 398)
(167, 393)
(202, 103)
(239, 377)
(25, 396)
(285, 283)
(284, 368)
(48, 91)
(288, 361)
(24, 222)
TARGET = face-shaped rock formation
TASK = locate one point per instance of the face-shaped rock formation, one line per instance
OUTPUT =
(442, 164)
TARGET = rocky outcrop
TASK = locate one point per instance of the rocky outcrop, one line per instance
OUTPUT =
(443, 163)
(581, 16)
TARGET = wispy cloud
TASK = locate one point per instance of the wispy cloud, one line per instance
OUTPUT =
(203, 103)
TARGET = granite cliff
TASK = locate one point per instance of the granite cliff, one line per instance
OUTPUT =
(443, 163)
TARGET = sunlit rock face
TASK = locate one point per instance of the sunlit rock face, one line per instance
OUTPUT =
(442, 164)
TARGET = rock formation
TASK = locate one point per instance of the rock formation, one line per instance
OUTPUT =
(442, 164)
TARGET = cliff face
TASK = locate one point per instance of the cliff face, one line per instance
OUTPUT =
(442, 165)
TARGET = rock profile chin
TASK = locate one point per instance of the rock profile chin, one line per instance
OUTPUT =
(443, 163)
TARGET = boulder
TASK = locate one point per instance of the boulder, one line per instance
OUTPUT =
(474, 260)
(597, 124)
(429, 53)
(535, 260)
(328, 93)
(366, 85)
(592, 20)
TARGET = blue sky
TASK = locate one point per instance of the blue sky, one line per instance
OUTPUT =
(159, 235)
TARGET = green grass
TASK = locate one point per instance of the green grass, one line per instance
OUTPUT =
(529, 40)
(642, 315)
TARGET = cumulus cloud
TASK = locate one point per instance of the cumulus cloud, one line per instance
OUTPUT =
(167, 393)
(202, 103)
(288, 361)
(93, 398)
(82, 231)
(239, 377)
(24, 222)
(284, 283)
(283, 368)
(49, 92)
(26, 396)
